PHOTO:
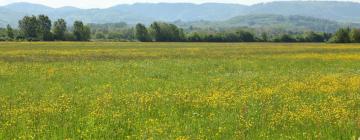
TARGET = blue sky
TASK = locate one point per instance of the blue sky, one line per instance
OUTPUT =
(108, 3)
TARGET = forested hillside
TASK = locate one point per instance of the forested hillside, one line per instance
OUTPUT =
(271, 23)
(168, 12)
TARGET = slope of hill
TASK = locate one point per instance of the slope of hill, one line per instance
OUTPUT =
(266, 21)
(286, 22)
(146, 12)
(333, 10)
(140, 12)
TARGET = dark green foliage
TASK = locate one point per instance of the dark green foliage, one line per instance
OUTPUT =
(44, 28)
(86, 33)
(59, 29)
(246, 36)
(142, 33)
(36, 28)
(264, 37)
(78, 30)
(194, 37)
(314, 37)
(100, 35)
(28, 27)
(285, 38)
(341, 36)
(81, 32)
(238, 36)
(3, 35)
(39, 29)
(355, 35)
(10, 32)
(69, 36)
(164, 32)
(114, 36)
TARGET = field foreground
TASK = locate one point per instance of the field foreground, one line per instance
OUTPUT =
(179, 91)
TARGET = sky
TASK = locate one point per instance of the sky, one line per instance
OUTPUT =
(109, 3)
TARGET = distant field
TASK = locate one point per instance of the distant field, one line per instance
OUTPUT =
(179, 91)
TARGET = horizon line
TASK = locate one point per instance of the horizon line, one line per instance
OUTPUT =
(54, 7)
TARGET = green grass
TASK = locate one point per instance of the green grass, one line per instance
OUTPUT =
(96, 90)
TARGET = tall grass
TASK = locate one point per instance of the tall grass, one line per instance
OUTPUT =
(179, 91)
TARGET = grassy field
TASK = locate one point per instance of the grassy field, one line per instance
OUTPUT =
(179, 91)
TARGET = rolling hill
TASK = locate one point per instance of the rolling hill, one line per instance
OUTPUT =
(271, 22)
(232, 14)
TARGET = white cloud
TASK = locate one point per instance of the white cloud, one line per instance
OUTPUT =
(108, 3)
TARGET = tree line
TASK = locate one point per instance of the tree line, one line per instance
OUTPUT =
(41, 28)
(164, 32)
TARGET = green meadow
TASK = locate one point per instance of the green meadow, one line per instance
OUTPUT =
(99, 90)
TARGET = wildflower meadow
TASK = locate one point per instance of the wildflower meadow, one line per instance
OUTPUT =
(98, 90)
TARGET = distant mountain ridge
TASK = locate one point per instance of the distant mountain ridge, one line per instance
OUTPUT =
(271, 22)
(187, 12)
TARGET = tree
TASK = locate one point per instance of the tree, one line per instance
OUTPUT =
(44, 28)
(28, 27)
(100, 35)
(59, 29)
(313, 37)
(9, 32)
(156, 31)
(355, 35)
(285, 38)
(78, 30)
(86, 34)
(245, 36)
(69, 36)
(174, 32)
(114, 36)
(81, 32)
(194, 37)
(341, 36)
(231, 37)
(166, 32)
(141, 33)
(182, 36)
(264, 37)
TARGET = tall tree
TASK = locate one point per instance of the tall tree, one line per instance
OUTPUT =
(78, 29)
(355, 35)
(9, 32)
(245, 36)
(44, 28)
(142, 33)
(195, 37)
(156, 31)
(28, 27)
(341, 36)
(86, 34)
(166, 32)
(59, 29)
(264, 37)
(81, 32)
